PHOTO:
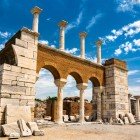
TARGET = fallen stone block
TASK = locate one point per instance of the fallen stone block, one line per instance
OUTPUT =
(25, 131)
(126, 121)
(130, 117)
(14, 113)
(33, 126)
(87, 118)
(48, 118)
(66, 118)
(10, 128)
(14, 136)
(38, 133)
(111, 120)
(120, 121)
(72, 118)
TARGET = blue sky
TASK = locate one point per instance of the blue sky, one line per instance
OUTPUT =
(116, 22)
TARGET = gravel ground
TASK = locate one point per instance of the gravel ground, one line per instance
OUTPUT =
(89, 132)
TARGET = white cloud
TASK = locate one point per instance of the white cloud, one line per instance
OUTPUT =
(118, 52)
(127, 31)
(93, 21)
(94, 59)
(127, 47)
(46, 42)
(1, 46)
(138, 81)
(75, 23)
(72, 51)
(133, 72)
(135, 90)
(4, 34)
(127, 5)
(137, 42)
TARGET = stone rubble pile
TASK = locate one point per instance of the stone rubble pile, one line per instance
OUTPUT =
(123, 119)
(21, 129)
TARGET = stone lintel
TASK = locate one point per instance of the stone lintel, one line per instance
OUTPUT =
(69, 56)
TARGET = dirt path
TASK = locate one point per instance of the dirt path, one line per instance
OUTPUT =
(89, 132)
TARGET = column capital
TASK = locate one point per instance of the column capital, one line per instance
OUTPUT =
(62, 23)
(35, 10)
(99, 43)
(60, 82)
(82, 86)
(99, 89)
(82, 34)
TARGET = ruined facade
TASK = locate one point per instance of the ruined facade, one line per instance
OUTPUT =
(23, 57)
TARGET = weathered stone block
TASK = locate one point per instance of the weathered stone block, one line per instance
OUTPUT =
(5, 101)
(22, 112)
(14, 135)
(25, 131)
(16, 69)
(28, 71)
(38, 133)
(26, 62)
(13, 89)
(10, 128)
(33, 126)
(21, 43)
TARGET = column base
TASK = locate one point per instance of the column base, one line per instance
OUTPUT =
(99, 120)
(59, 122)
(82, 121)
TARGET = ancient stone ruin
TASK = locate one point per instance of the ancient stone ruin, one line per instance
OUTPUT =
(23, 57)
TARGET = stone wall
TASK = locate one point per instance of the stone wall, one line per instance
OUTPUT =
(72, 108)
(116, 91)
(17, 82)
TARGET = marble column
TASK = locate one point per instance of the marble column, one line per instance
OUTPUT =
(98, 91)
(99, 57)
(82, 40)
(138, 108)
(82, 87)
(35, 11)
(129, 101)
(62, 26)
(59, 110)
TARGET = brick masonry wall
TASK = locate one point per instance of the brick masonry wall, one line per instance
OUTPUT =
(17, 82)
(116, 92)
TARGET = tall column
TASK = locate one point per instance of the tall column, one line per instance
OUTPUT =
(59, 111)
(98, 91)
(35, 11)
(62, 26)
(138, 108)
(82, 39)
(129, 101)
(82, 87)
(99, 57)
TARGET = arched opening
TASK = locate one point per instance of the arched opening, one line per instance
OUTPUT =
(46, 93)
(94, 84)
(71, 98)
